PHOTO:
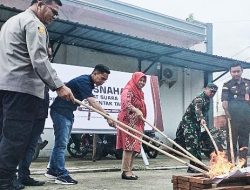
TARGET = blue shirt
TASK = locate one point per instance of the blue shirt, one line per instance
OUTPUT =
(81, 87)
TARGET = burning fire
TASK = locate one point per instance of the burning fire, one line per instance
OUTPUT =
(220, 165)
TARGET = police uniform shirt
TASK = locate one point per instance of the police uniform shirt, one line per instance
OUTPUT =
(234, 90)
(24, 62)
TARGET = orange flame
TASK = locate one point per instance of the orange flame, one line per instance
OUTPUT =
(220, 165)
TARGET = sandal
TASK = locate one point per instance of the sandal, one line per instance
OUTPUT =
(132, 177)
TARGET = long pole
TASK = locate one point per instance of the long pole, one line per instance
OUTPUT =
(231, 140)
(163, 145)
(159, 143)
(173, 142)
(211, 137)
(167, 147)
(163, 152)
(94, 148)
(139, 139)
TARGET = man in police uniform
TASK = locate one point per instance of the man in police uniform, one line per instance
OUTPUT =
(235, 101)
(189, 130)
(25, 69)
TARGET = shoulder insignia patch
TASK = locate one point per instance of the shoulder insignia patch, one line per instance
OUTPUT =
(41, 29)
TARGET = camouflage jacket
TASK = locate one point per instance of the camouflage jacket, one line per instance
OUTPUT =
(198, 108)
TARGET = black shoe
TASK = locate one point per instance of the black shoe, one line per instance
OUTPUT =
(65, 180)
(6, 184)
(17, 185)
(191, 170)
(132, 177)
(10, 184)
(136, 176)
(51, 175)
(31, 182)
(42, 144)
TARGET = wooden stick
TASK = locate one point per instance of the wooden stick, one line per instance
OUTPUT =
(164, 145)
(163, 152)
(176, 144)
(212, 139)
(169, 148)
(94, 148)
(139, 139)
(231, 140)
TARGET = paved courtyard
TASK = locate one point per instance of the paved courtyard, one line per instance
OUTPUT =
(105, 174)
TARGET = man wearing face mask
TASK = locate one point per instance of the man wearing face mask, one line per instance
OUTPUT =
(25, 70)
(236, 103)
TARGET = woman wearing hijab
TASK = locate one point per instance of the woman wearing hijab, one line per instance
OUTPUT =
(133, 108)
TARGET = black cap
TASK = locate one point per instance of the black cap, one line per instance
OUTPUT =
(212, 86)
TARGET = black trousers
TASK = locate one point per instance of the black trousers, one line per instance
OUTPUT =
(240, 122)
(17, 114)
(24, 164)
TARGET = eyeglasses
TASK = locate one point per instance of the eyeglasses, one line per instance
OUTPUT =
(213, 91)
(54, 11)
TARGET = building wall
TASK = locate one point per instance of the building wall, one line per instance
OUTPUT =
(153, 26)
(72, 55)
(174, 100)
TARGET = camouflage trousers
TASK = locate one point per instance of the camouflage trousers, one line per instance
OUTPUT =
(188, 136)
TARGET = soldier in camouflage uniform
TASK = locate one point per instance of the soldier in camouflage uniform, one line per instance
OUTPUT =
(236, 103)
(189, 130)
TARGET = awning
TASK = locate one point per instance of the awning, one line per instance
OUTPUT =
(84, 36)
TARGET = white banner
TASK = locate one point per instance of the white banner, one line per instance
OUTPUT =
(108, 96)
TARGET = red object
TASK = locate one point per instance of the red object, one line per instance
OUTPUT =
(157, 104)
(131, 97)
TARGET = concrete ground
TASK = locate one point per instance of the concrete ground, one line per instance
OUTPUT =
(105, 174)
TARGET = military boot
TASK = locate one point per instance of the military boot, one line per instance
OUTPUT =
(243, 155)
(192, 170)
